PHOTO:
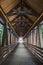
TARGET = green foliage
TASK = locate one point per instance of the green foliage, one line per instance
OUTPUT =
(42, 30)
(1, 33)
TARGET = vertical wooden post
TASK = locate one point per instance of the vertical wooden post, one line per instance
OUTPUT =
(5, 36)
(27, 40)
(10, 38)
(39, 35)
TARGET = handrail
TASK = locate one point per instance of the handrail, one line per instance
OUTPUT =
(36, 51)
(4, 51)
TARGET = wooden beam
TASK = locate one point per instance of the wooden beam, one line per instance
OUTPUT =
(7, 20)
(33, 18)
(15, 18)
(11, 14)
(30, 21)
(11, 17)
(34, 23)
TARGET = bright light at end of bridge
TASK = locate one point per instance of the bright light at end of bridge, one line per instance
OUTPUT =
(20, 40)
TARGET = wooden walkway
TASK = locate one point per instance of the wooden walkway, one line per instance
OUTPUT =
(20, 56)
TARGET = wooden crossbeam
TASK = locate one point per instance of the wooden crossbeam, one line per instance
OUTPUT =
(7, 20)
(15, 18)
(11, 14)
(30, 21)
(34, 24)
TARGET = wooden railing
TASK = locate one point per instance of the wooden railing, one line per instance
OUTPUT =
(36, 51)
(4, 51)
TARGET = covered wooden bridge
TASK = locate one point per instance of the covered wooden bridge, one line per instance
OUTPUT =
(21, 32)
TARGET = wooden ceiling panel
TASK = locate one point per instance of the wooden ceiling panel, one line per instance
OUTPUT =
(7, 5)
(37, 5)
(12, 17)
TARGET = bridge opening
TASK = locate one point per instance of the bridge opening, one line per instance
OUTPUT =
(20, 40)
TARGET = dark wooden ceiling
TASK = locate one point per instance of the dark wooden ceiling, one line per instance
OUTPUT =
(22, 14)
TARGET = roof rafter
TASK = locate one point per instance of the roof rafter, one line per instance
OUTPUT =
(28, 19)
(15, 18)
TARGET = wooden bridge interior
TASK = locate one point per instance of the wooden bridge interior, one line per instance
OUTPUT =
(21, 18)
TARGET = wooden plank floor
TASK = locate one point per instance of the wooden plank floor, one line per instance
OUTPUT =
(20, 56)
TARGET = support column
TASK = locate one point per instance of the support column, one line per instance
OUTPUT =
(10, 38)
(33, 37)
(41, 41)
(5, 36)
(27, 40)
(39, 36)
